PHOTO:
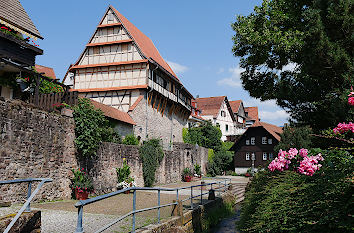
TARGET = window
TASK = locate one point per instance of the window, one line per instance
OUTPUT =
(264, 155)
(264, 140)
(223, 114)
(247, 156)
(247, 142)
(253, 141)
(253, 156)
(227, 127)
(269, 141)
(271, 156)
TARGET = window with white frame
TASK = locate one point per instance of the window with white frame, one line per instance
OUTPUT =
(271, 156)
(247, 156)
(264, 140)
(253, 140)
(247, 142)
(269, 141)
(264, 155)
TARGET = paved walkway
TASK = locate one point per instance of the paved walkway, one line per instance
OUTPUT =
(61, 216)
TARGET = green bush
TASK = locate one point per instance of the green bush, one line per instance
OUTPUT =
(197, 169)
(291, 202)
(91, 128)
(130, 140)
(151, 154)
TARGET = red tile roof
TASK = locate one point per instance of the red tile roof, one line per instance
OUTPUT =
(235, 105)
(113, 112)
(48, 72)
(144, 43)
(210, 105)
(272, 129)
(252, 113)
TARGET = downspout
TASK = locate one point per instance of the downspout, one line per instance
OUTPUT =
(146, 103)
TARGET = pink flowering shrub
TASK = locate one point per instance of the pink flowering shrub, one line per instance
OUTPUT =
(299, 161)
(351, 99)
(343, 128)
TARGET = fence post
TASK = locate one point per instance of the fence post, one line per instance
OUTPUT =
(191, 197)
(79, 228)
(201, 195)
(134, 208)
(177, 194)
(225, 186)
(158, 203)
(219, 191)
(29, 191)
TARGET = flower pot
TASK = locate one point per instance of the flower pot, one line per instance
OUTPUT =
(187, 178)
(81, 195)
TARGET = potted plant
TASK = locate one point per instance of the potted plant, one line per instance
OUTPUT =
(197, 170)
(81, 184)
(187, 175)
(123, 177)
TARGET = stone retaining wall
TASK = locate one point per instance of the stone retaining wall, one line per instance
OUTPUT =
(35, 143)
(110, 156)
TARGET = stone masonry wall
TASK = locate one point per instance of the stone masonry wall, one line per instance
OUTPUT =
(110, 156)
(35, 143)
(168, 128)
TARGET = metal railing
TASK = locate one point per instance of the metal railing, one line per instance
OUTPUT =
(26, 207)
(222, 187)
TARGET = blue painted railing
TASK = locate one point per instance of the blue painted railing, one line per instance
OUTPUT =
(222, 187)
(25, 207)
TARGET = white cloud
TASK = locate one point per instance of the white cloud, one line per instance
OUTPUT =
(273, 116)
(234, 80)
(289, 67)
(177, 68)
(257, 102)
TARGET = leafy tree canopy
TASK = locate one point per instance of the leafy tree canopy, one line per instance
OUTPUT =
(315, 38)
(294, 137)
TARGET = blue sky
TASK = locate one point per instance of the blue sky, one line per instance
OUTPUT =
(193, 36)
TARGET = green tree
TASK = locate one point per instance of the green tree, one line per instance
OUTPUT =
(316, 38)
(130, 139)
(294, 137)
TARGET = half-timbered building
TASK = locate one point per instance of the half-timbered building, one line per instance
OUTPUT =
(122, 68)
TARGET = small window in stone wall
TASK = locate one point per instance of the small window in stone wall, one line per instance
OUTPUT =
(247, 156)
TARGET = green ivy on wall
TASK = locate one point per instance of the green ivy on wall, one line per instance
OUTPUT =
(151, 154)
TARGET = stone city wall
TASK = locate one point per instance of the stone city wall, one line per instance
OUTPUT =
(35, 144)
(110, 156)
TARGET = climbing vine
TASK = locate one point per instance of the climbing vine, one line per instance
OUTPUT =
(151, 154)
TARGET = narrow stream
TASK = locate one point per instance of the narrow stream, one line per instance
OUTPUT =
(227, 225)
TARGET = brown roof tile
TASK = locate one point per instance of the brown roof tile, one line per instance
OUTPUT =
(145, 44)
(48, 71)
(235, 105)
(113, 112)
(272, 129)
(12, 12)
(252, 113)
(210, 105)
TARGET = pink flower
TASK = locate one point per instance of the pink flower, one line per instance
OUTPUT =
(303, 152)
(351, 101)
(343, 128)
(292, 153)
